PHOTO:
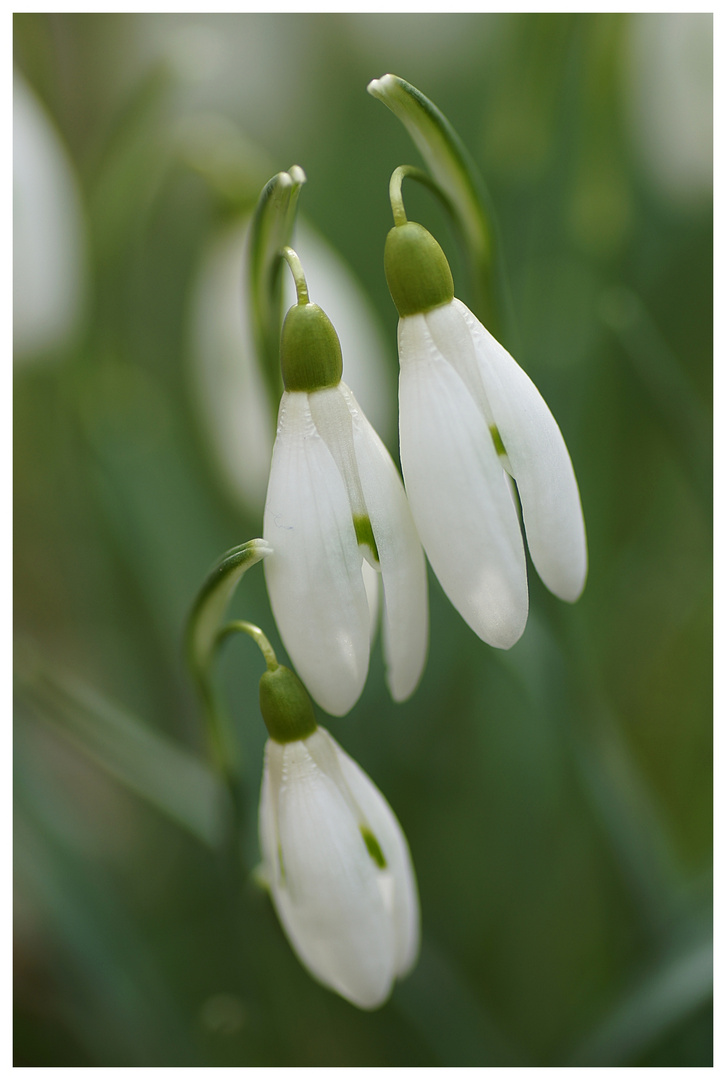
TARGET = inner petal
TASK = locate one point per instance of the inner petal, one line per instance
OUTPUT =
(332, 418)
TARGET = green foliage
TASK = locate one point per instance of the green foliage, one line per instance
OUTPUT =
(556, 798)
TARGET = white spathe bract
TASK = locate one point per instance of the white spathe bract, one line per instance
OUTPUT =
(330, 470)
(458, 388)
(349, 905)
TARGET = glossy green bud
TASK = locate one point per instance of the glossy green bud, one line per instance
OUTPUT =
(417, 271)
(285, 705)
(309, 351)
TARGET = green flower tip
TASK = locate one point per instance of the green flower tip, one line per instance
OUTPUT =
(310, 350)
(285, 705)
(417, 271)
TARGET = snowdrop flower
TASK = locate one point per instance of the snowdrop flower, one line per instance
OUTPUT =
(334, 499)
(471, 421)
(334, 856)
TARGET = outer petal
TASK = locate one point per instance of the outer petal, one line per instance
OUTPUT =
(403, 568)
(329, 901)
(539, 463)
(384, 825)
(458, 493)
(314, 575)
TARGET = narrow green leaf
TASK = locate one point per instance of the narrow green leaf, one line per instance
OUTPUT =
(272, 227)
(665, 995)
(458, 177)
(214, 596)
(448, 1016)
(166, 775)
(664, 378)
(203, 636)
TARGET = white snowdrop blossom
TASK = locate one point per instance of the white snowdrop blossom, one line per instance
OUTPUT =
(334, 499)
(338, 868)
(49, 233)
(471, 422)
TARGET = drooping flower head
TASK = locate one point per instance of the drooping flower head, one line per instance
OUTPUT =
(473, 425)
(334, 856)
(335, 499)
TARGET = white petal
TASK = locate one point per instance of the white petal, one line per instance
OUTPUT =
(330, 903)
(384, 825)
(372, 583)
(314, 574)
(540, 464)
(458, 492)
(403, 568)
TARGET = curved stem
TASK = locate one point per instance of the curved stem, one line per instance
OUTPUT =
(396, 197)
(240, 626)
(301, 285)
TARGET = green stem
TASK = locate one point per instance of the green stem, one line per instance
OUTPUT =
(240, 626)
(301, 285)
(396, 197)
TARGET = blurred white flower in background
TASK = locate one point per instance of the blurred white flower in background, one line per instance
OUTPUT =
(228, 387)
(251, 66)
(49, 242)
(670, 97)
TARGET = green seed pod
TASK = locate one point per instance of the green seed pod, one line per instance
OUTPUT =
(417, 272)
(285, 705)
(310, 350)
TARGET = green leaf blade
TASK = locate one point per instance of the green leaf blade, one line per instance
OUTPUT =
(165, 775)
(456, 174)
(272, 227)
(213, 598)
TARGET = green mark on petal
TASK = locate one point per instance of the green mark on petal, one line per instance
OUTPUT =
(364, 534)
(374, 848)
(498, 444)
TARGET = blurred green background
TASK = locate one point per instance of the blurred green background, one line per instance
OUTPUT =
(556, 798)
